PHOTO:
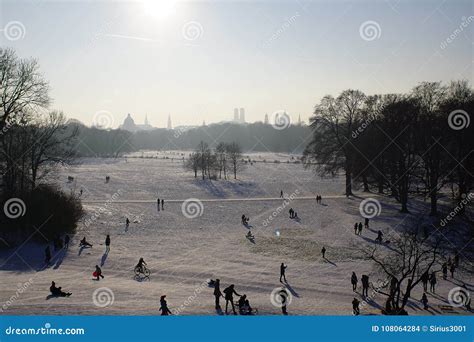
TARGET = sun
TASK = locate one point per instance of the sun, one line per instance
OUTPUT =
(161, 9)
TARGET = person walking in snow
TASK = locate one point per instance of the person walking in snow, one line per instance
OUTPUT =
(107, 244)
(444, 268)
(158, 203)
(282, 272)
(433, 282)
(162, 204)
(365, 285)
(127, 222)
(379, 238)
(323, 252)
(354, 281)
(355, 228)
(424, 279)
(164, 306)
(355, 306)
(281, 193)
(366, 223)
(283, 300)
(217, 293)
(424, 300)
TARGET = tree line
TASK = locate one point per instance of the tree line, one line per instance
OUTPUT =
(34, 141)
(224, 160)
(397, 144)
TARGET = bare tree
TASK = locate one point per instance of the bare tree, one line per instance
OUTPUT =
(203, 152)
(193, 163)
(22, 87)
(411, 255)
(221, 153)
(53, 143)
(235, 157)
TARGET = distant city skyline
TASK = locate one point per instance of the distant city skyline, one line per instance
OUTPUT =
(197, 61)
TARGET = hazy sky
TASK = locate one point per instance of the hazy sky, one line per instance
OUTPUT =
(199, 60)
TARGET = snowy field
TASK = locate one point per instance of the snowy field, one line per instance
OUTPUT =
(183, 253)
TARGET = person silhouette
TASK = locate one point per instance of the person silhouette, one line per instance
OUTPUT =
(164, 306)
(217, 293)
(229, 292)
(355, 306)
(282, 272)
(107, 244)
(284, 301)
(354, 281)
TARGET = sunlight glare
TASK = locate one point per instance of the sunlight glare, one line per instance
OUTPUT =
(159, 8)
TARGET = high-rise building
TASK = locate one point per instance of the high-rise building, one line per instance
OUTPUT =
(266, 119)
(169, 122)
(236, 114)
(242, 115)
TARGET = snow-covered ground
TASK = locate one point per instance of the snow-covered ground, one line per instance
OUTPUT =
(183, 252)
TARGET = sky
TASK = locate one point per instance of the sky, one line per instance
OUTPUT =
(198, 60)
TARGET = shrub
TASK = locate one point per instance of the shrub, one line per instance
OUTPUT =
(48, 212)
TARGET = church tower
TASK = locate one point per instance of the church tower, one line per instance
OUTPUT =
(169, 122)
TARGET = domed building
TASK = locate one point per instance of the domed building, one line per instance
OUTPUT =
(129, 125)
